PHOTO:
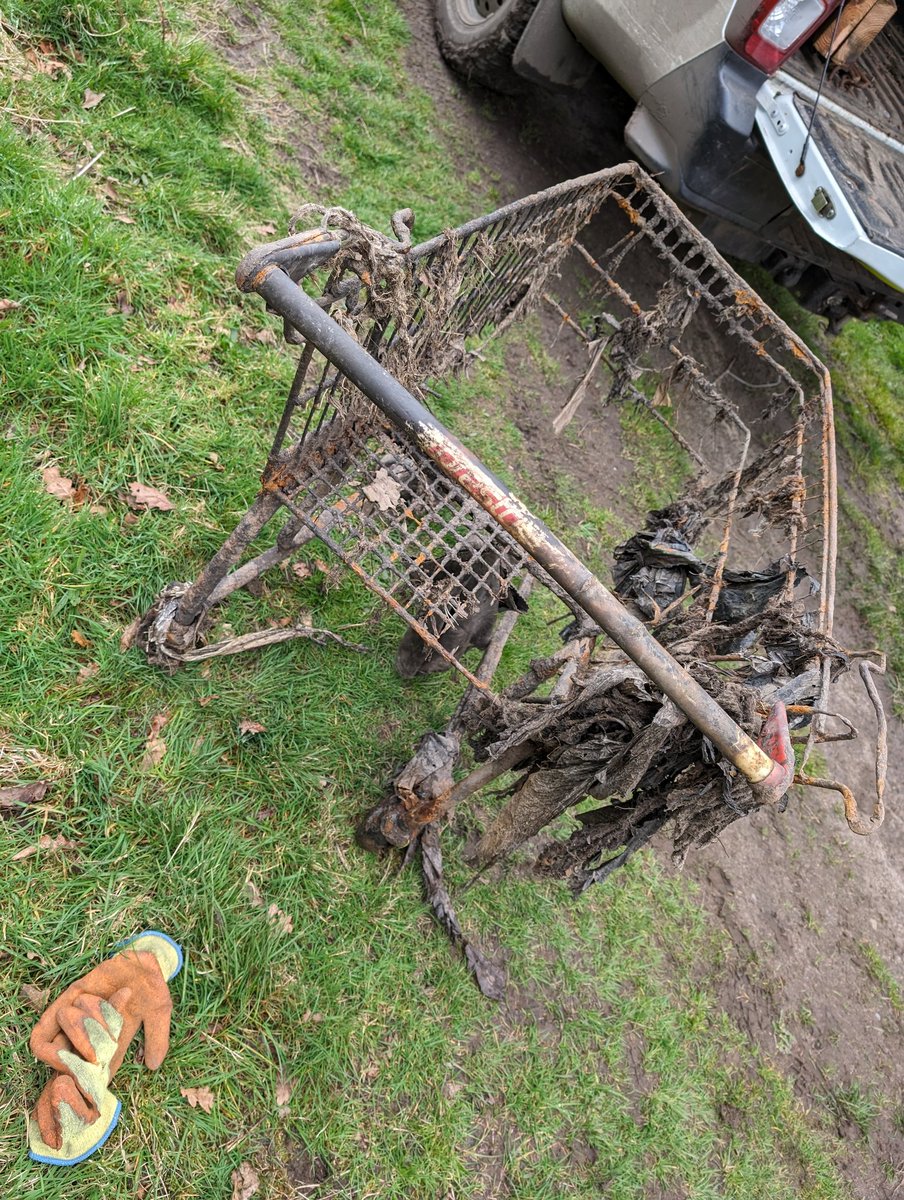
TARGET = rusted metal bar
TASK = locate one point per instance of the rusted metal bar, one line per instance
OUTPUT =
(458, 464)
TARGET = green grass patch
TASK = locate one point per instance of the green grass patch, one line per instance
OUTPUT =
(879, 970)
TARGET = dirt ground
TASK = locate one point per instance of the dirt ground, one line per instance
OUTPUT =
(799, 894)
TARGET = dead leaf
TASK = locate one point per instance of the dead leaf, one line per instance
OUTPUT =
(248, 726)
(123, 305)
(57, 485)
(384, 491)
(35, 998)
(284, 1090)
(245, 1182)
(253, 892)
(44, 63)
(205, 700)
(316, 1018)
(265, 229)
(142, 496)
(661, 397)
(92, 99)
(88, 671)
(127, 639)
(123, 219)
(267, 336)
(80, 640)
(25, 793)
(7, 306)
(301, 570)
(155, 746)
(46, 842)
(201, 1097)
(281, 920)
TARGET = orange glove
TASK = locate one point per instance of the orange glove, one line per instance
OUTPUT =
(84, 1035)
(133, 984)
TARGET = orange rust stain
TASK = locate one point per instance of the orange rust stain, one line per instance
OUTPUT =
(746, 299)
(627, 208)
(276, 478)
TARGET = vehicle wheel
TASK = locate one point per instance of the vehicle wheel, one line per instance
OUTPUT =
(477, 38)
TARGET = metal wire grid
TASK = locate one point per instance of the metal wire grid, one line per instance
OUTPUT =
(422, 552)
(345, 475)
(431, 548)
(459, 285)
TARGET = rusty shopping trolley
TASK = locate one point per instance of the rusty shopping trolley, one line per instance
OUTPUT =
(715, 666)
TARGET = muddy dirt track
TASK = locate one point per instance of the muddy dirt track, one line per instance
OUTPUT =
(807, 903)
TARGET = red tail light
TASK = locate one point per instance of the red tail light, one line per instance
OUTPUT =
(778, 28)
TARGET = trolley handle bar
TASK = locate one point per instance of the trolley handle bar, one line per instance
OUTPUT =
(768, 770)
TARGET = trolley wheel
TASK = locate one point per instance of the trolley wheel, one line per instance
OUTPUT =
(477, 38)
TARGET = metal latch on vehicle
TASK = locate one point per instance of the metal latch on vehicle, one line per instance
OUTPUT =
(822, 202)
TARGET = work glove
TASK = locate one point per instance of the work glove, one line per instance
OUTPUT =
(84, 1035)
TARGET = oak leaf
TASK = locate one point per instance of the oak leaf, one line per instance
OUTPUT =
(57, 485)
(245, 1182)
(281, 920)
(92, 99)
(142, 496)
(201, 1097)
(35, 998)
(46, 842)
(384, 491)
(155, 746)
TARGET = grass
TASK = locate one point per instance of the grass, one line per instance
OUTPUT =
(132, 357)
(878, 969)
(866, 360)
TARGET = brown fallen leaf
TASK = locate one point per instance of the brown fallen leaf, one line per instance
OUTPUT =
(205, 700)
(245, 1182)
(57, 485)
(127, 638)
(284, 1090)
(301, 570)
(246, 725)
(36, 998)
(309, 1016)
(123, 305)
(383, 490)
(88, 671)
(45, 64)
(80, 640)
(142, 496)
(253, 892)
(155, 746)
(92, 99)
(264, 230)
(23, 794)
(266, 336)
(281, 920)
(123, 219)
(46, 842)
(7, 306)
(201, 1097)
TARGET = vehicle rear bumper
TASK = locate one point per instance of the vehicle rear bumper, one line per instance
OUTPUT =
(851, 191)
